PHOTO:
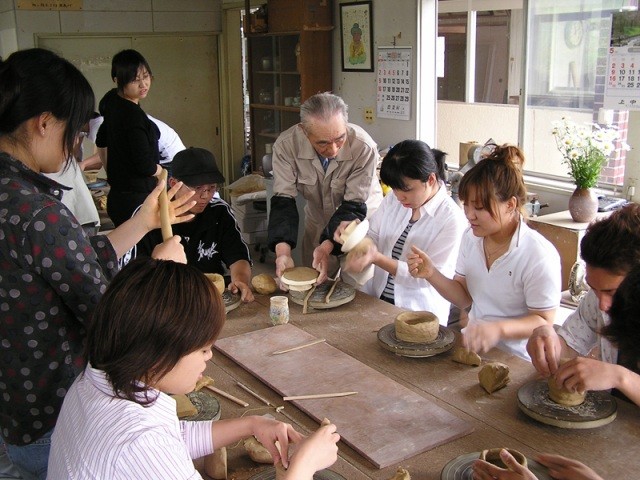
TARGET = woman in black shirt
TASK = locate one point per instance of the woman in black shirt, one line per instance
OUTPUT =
(131, 139)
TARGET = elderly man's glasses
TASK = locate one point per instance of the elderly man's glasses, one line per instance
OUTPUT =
(203, 191)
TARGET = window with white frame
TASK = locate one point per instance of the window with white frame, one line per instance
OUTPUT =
(482, 90)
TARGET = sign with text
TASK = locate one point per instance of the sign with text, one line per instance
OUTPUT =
(50, 4)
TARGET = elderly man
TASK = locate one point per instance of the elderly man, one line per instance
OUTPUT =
(332, 163)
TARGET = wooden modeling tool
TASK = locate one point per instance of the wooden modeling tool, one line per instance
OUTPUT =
(315, 342)
(165, 223)
(319, 395)
(226, 395)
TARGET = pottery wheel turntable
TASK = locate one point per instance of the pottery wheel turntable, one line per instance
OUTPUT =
(461, 468)
(599, 407)
(270, 474)
(231, 300)
(388, 340)
(207, 405)
(343, 293)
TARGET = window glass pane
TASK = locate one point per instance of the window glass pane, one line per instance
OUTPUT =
(492, 56)
(453, 27)
(566, 72)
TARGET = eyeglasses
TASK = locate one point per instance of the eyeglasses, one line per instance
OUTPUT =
(207, 190)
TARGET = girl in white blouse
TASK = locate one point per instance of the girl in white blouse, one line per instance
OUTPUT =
(420, 212)
(151, 335)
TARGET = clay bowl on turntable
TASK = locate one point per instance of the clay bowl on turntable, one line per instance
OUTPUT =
(417, 327)
(492, 456)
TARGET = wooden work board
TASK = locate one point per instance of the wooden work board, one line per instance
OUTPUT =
(385, 421)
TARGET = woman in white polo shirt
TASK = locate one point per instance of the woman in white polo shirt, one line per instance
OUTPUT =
(506, 272)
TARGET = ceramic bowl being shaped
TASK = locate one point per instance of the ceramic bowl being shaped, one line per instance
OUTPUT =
(417, 327)
(492, 456)
(217, 280)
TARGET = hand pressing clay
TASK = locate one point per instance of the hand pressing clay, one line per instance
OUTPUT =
(217, 280)
(417, 327)
(362, 248)
(492, 456)
(401, 474)
(264, 284)
(494, 376)
(280, 470)
(256, 451)
(463, 355)
(563, 396)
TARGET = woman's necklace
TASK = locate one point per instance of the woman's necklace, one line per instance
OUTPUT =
(489, 255)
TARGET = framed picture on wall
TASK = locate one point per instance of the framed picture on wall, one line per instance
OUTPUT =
(356, 36)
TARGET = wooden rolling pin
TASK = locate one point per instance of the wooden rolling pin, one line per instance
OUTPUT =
(165, 223)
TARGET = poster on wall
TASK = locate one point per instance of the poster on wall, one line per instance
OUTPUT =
(622, 88)
(394, 83)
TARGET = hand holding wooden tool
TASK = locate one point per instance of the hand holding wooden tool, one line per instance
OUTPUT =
(165, 222)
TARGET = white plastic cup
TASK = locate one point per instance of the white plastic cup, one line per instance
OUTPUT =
(279, 310)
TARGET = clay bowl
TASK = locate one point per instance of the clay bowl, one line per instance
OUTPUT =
(217, 280)
(492, 456)
(417, 327)
(91, 176)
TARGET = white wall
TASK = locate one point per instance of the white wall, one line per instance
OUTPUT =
(114, 16)
(358, 89)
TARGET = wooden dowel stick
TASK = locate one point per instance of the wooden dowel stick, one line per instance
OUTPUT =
(333, 287)
(306, 299)
(278, 352)
(319, 395)
(251, 392)
(242, 403)
(165, 223)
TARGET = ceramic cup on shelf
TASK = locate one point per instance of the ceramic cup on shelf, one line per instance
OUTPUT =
(266, 63)
(288, 101)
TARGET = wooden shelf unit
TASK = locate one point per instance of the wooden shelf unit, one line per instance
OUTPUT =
(286, 65)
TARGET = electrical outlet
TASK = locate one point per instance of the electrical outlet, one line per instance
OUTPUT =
(368, 114)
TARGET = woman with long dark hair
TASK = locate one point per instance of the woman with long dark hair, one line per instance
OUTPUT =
(51, 274)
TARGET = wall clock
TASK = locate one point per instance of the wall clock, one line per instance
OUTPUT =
(573, 33)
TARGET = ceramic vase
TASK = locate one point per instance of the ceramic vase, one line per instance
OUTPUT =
(583, 205)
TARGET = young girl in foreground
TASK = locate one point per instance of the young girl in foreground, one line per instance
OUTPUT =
(508, 273)
(152, 334)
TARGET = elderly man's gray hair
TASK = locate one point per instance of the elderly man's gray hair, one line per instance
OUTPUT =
(323, 107)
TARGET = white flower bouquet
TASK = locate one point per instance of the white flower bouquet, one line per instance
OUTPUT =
(585, 149)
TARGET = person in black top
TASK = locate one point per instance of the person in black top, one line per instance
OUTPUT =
(212, 238)
(129, 136)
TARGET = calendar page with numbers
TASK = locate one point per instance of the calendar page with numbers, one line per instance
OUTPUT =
(622, 89)
(622, 85)
(394, 83)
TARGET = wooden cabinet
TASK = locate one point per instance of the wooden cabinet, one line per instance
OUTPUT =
(286, 65)
(565, 234)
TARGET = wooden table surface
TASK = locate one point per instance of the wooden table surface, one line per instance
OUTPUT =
(496, 418)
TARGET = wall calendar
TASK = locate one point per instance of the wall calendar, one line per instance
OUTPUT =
(622, 87)
(394, 83)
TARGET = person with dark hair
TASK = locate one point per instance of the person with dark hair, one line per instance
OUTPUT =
(420, 212)
(212, 240)
(332, 164)
(129, 136)
(152, 334)
(499, 253)
(52, 274)
(605, 320)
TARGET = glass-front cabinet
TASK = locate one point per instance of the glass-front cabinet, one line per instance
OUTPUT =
(285, 68)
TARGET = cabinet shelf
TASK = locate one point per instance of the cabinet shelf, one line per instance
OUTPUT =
(287, 64)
